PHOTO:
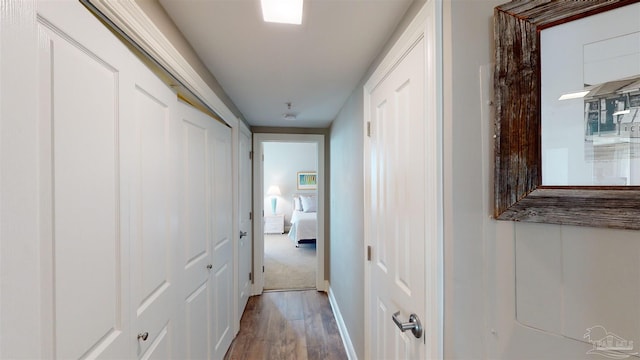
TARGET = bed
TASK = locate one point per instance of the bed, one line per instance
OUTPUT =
(304, 220)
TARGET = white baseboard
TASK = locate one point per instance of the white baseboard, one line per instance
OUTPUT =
(346, 340)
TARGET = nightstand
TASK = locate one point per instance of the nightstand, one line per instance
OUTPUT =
(274, 224)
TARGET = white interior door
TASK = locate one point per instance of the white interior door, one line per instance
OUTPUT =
(196, 263)
(403, 195)
(222, 247)
(84, 199)
(398, 210)
(154, 205)
(207, 248)
(246, 235)
(83, 92)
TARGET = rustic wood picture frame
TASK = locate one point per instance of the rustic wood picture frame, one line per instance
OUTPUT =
(519, 194)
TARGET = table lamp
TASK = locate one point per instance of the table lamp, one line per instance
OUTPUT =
(274, 192)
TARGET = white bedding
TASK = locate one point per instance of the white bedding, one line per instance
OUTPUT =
(303, 226)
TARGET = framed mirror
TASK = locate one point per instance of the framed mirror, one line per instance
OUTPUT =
(567, 107)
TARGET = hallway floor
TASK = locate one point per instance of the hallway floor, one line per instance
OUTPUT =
(288, 325)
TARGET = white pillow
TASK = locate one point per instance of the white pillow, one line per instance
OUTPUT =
(297, 204)
(309, 203)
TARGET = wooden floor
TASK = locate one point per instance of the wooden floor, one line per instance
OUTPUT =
(288, 325)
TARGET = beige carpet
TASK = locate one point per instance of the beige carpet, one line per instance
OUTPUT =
(286, 266)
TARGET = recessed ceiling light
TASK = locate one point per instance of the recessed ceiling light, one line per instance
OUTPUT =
(282, 11)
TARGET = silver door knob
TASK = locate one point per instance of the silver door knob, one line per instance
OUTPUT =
(209, 266)
(243, 234)
(143, 336)
(414, 324)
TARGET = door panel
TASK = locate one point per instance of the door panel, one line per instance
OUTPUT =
(222, 243)
(398, 205)
(207, 264)
(87, 239)
(197, 331)
(245, 242)
(197, 284)
(153, 290)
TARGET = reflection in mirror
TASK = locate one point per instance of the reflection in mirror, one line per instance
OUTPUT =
(590, 100)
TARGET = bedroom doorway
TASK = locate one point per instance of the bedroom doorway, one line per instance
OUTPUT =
(289, 246)
(290, 209)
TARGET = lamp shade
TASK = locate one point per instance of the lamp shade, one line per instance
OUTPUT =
(274, 190)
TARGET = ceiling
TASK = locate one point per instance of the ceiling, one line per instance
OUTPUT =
(262, 66)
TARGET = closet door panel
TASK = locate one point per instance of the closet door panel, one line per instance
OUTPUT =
(87, 242)
(222, 240)
(152, 259)
(196, 233)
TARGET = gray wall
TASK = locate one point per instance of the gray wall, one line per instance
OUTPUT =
(467, 45)
(347, 222)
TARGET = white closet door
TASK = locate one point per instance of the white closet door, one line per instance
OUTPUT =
(195, 176)
(153, 208)
(84, 236)
(245, 244)
(222, 271)
(136, 204)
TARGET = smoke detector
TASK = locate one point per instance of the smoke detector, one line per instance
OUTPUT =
(289, 115)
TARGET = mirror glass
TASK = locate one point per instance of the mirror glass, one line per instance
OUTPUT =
(590, 100)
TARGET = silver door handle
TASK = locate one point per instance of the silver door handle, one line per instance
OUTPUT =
(243, 234)
(414, 324)
(143, 336)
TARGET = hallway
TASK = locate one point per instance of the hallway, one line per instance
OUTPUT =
(288, 325)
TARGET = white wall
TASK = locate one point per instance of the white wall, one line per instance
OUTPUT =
(282, 162)
(516, 290)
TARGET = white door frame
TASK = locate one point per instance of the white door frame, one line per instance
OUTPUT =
(258, 193)
(426, 25)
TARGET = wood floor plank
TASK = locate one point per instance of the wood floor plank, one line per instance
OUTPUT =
(294, 305)
(296, 325)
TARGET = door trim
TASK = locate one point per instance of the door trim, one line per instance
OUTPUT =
(258, 178)
(426, 26)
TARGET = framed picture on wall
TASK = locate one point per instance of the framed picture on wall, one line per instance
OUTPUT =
(307, 180)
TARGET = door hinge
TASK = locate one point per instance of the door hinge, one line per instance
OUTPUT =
(250, 155)
(369, 253)
(250, 215)
(250, 277)
(262, 268)
(369, 128)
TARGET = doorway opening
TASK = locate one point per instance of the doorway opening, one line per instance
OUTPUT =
(290, 228)
(289, 241)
